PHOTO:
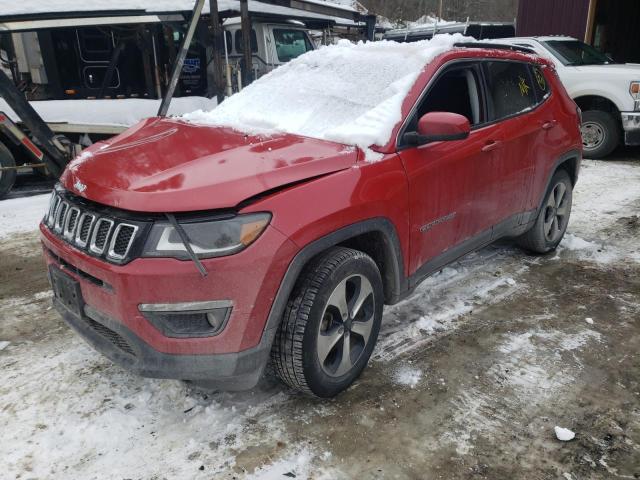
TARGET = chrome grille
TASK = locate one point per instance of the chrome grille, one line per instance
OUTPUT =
(70, 223)
(82, 235)
(100, 235)
(121, 241)
(90, 231)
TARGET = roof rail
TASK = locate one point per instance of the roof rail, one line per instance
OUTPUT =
(495, 46)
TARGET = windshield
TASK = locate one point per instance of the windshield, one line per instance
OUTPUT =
(291, 44)
(574, 52)
(347, 93)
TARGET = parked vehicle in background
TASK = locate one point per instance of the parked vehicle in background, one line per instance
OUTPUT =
(272, 44)
(608, 93)
(229, 238)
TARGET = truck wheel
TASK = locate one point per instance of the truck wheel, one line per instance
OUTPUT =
(7, 177)
(553, 217)
(600, 134)
(331, 323)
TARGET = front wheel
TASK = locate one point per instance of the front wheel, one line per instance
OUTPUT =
(553, 217)
(331, 323)
(600, 134)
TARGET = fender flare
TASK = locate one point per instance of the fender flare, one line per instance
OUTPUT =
(374, 225)
(570, 155)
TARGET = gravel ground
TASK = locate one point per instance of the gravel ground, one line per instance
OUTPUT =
(469, 379)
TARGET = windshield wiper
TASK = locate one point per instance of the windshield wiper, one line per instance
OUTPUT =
(187, 244)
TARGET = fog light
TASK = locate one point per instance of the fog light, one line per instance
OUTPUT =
(216, 318)
(184, 320)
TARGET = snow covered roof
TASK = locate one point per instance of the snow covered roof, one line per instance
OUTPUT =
(347, 93)
(36, 7)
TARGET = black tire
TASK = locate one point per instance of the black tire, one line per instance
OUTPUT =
(600, 133)
(311, 321)
(7, 177)
(542, 238)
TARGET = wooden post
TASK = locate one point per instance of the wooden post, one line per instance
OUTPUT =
(217, 41)
(591, 20)
(247, 71)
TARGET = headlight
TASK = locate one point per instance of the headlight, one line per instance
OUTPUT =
(215, 238)
(634, 90)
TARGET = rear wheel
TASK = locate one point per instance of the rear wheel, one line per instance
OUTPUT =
(553, 217)
(600, 133)
(331, 323)
(7, 177)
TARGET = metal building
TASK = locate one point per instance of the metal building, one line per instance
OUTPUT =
(609, 25)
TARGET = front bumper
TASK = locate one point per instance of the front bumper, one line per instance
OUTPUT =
(631, 127)
(231, 371)
(113, 294)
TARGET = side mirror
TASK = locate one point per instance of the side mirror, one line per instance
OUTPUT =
(439, 127)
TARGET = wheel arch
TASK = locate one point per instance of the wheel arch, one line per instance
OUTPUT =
(377, 237)
(569, 162)
(597, 102)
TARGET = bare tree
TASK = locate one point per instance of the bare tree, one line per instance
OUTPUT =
(480, 10)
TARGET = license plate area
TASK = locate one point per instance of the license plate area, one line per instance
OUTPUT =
(67, 291)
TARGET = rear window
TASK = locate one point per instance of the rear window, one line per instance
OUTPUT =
(511, 88)
(540, 84)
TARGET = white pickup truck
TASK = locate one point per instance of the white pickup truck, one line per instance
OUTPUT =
(607, 93)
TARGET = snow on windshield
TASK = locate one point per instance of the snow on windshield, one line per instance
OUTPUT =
(348, 93)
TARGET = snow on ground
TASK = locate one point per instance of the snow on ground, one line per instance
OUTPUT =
(347, 93)
(116, 112)
(72, 412)
(408, 376)
(22, 214)
(605, 191)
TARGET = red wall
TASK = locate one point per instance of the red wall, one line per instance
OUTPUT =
(552, 17)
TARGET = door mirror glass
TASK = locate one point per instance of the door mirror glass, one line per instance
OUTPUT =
(439, 127)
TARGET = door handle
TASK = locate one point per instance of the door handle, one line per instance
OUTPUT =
(491, 146)
(549, 125)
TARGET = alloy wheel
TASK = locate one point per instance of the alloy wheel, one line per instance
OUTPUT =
(345, 328)
(556, 215)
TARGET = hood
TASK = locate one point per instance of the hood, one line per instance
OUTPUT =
(630, 70)
(165, 165)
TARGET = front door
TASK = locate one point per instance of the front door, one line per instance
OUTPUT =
(452, 188)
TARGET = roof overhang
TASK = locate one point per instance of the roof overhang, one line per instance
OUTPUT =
(148, 11)
(47, 23)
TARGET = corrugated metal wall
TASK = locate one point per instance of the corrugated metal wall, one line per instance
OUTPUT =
(552, 17)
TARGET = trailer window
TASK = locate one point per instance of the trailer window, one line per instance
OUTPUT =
(254, 41)
(291, 43)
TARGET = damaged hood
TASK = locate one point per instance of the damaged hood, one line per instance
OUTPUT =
(165, 165)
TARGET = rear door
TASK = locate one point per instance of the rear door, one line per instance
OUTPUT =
(452, 185)
(512, 106)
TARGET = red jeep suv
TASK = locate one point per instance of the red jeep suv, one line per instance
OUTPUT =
(276, 227)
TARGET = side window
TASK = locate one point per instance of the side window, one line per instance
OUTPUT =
(238, 41)
(540, 84)
(457, 91)
(510, 87)
(290, 43)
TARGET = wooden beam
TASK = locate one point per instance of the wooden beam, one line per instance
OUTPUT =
(247, 67)
(217, 43)
(591, 19)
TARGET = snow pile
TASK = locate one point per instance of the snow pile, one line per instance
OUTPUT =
(564, 434)
(22, 214)
(427, 22)
(347, 93)
(407, 376)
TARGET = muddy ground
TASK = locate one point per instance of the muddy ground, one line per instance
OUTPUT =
(469, 379)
